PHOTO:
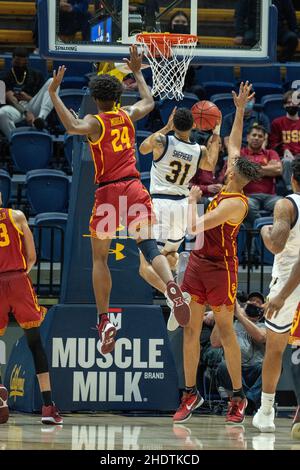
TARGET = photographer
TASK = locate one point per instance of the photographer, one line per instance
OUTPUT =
(251, 335)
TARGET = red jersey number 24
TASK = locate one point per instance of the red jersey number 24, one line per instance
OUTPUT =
(121, 139)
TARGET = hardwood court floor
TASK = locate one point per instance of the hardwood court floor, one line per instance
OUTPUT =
(119, 432)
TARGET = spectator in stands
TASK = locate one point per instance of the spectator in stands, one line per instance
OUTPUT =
(285, 135)
(251, 335)
(73, 17)
(251, 118)
(27, 95)
(261, 193)
(287, 32)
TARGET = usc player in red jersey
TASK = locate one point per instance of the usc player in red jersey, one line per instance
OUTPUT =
(17, 257)
(211, 274)
(120, 198)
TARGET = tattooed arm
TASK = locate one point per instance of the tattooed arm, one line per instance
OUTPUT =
(275, 236)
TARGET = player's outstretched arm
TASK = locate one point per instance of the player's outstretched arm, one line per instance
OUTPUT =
(232, 211)
(22, 224)
(146, 104)
(236, 135)
(275, 304)
(275, 236)
(88, 126)
(156, 142)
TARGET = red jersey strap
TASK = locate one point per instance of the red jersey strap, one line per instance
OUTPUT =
(223, 195)
(11, 217)
(100, 120)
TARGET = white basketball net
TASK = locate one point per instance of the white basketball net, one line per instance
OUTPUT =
(168, 73)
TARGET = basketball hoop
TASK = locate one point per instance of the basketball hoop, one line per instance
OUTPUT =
(169, 56)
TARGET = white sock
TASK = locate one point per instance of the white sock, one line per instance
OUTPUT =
(267, 402)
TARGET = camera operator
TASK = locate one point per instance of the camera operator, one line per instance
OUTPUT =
(251, 335)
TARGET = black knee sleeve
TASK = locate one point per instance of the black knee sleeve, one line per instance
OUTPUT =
(149, 249)
(37, 349)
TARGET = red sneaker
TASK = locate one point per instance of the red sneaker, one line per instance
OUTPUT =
(107, 332)
(296, 425)
(189, 402)
(4, 411)
(50, 415)
(236, 411)
(180, 308)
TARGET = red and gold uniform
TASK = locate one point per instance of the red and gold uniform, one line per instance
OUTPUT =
(16, 291)
(295, 330)
(121, 198)
(211, 275)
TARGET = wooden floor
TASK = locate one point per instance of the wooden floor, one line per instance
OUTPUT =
(119, 432)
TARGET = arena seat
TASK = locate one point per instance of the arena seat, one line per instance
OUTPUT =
(144, 161)
(209, 77)
(224, 102)
(292, 74)
(5, 187)
(268, 257)
(272, 106)
(49, 240)
(265, 80)
(31, 150)
(47, 191)
(75, 76)
(68, 148)
(166, 106)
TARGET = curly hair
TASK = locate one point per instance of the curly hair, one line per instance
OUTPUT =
(183, 119)
(247, 170)
(106, 88)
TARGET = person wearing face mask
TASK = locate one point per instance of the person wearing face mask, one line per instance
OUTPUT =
(252, 117)
(27, 95)
(251, 335)
(285, 135)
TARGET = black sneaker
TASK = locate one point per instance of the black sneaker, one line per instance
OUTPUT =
(39, 124)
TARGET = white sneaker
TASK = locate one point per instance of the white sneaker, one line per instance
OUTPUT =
(263, 422)
(173, 324)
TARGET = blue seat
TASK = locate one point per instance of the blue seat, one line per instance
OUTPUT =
(268, 257)
(241, 242)
(265, 80)
(47, 191)
(5, 187)
(166, 106)
(31, 150)
(145, 177)
(224, 102)
(273, 106)
(292, 74)
(49, 238)
(75, 76)
(68, 148)
(144, 161)
(72, 98)
(216, 79)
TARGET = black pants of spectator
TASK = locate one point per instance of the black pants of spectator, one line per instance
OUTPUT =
(295, 368)
(251, 379)
(259, 202)
(289, 41)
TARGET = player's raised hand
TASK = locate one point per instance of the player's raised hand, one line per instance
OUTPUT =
(245, 95)
(57, 79)
(136, 59)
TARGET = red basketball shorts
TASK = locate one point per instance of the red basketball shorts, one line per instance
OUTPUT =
(212, 282)
(123, 204)
(17, 296)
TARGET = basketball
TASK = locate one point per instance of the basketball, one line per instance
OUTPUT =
(206, 115)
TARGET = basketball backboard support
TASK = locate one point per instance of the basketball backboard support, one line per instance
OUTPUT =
(115, 23)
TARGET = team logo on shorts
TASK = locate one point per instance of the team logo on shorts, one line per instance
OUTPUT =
(118, 251)
(16, 382)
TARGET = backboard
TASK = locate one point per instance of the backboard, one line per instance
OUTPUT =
(113, 25)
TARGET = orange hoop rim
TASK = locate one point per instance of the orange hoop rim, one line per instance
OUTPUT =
(171, 38)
